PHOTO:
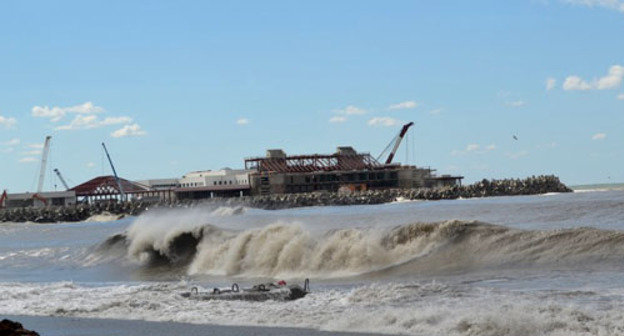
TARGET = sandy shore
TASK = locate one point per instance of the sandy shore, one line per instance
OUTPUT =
(72, 326)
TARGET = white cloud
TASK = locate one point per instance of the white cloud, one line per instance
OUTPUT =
(435, 112)
(617, 5)
(620, 96)
(351, 110)
(7, 122)
(33, 152)
(36, 145)
(611, 80)
(6, 150)
(410, 104)
(599, 136)
(92, 121)
(90, 164)
(474, 149)
(517, 155)
(12, 142)
(242, 121)
(575, 83)
(27, 160)
(550, 83)
(128, 131)
(337, 119)
(57, 113)
(382, 121)
(516, 103)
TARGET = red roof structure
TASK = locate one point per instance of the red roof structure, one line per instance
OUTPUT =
(106, 185)
(315, 163)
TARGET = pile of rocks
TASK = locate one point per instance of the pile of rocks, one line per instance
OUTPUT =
(74, 213)
(485, 188)
(12, 328)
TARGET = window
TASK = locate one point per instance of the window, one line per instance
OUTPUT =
(215, 182)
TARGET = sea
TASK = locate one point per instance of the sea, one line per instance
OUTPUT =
(549, 264)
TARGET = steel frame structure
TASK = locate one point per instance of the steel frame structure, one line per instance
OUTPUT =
(315, 163)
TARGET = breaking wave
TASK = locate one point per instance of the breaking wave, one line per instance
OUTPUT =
(291, 250)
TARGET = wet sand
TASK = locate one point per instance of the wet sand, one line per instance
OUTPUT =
(73, 326)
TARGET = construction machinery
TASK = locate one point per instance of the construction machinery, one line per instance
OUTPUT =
(3, 197)
(58, 173)
(44, 162)
(395, 143)
(121, 191)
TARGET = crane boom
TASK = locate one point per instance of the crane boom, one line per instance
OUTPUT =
(44, 161)
(2, 198)
(399, 138)
(58, 173)
(121, 191)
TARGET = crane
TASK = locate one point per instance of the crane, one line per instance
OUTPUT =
(121, 191)
(44, 161)
(58, 173)
(396, 141)
(2, 198)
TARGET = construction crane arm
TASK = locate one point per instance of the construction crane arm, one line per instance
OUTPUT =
(58, 173)
(121, 191)
(398, 140)
(2, 198)
(44, 161)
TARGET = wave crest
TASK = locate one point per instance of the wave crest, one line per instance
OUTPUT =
(290, 251)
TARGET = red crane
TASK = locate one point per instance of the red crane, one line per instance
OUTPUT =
(2, 198)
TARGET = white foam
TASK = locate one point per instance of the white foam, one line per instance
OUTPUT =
(397, 308)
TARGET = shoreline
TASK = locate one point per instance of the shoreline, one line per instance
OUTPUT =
(80, 326)
(486, 188)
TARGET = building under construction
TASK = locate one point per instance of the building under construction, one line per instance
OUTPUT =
(276, 173)
(345, 170)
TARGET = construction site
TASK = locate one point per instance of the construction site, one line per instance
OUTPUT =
(344, 171)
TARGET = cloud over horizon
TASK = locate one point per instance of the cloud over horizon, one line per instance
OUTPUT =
(133, 130)
(383, 121)
(7, 122)
(611, 80)
(57, 113)
(410, 104)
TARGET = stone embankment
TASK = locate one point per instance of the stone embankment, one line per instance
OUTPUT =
(486, 188)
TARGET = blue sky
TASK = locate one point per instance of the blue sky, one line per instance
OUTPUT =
(191, 85)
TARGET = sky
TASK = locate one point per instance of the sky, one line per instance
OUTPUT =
(173, 87)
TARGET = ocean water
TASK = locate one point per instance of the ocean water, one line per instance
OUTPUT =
(532, 265)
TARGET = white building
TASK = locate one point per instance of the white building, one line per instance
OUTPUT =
(161, 184)
(216, 178)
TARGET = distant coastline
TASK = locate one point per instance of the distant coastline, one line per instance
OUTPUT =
(598, 187)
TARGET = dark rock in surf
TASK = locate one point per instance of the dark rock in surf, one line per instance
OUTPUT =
(12, 328)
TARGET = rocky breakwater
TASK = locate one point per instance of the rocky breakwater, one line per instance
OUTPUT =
(485, 188)
(74, 213)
